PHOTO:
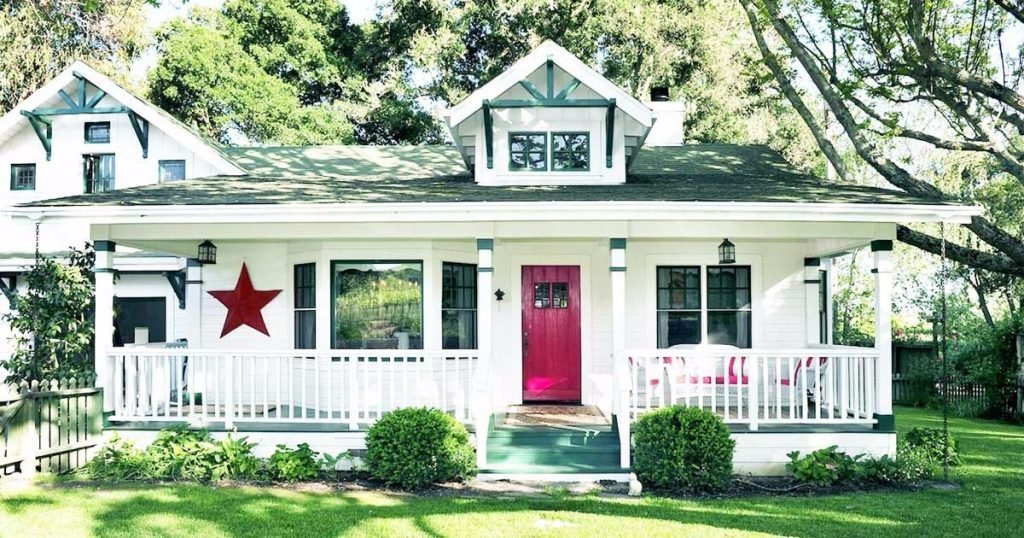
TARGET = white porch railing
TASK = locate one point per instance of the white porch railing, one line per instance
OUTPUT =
(828, 385)
(353, 387)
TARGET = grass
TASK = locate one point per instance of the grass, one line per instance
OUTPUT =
(989, 504)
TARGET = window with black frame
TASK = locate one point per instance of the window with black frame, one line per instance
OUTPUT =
(377, 304)
(823, 321)
(528, 152)
(305, 305)
(98, 173)
(679, 306)
(23, 177)
(458, 306)
(729, 308)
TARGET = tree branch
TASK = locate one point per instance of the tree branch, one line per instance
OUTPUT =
(1013, 7)
(958, 253)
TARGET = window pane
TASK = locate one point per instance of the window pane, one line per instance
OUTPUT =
(560, 295)
(729, 328)
(728, 287)
(305, 329)
(528, 151)
(378, 305)
(23, 177)
(305, 285)
(679, 288)
(675, 328)
(97, 132)
(172, 171)
(570, 151)
(541, 295)
(458, 329)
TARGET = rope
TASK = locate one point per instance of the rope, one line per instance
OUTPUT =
(37, 242)
(945, 362)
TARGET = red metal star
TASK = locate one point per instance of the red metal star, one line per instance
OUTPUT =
(244, 304)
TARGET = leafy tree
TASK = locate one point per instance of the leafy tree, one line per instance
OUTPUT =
(273, 71)
(53, 320)
(39, 38)
(878, 64)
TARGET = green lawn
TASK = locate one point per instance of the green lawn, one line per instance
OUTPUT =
(991, 503)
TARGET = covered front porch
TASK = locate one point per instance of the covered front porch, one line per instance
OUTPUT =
(747, 340)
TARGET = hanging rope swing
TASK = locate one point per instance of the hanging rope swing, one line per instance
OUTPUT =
(943, 349)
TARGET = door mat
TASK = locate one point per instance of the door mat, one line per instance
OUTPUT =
(554, 415)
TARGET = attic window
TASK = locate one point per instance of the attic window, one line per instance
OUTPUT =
(570, 151)
(528, 151)
(97, 132)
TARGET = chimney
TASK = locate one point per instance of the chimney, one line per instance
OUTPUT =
(669, 117)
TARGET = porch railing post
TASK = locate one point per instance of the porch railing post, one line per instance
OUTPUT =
(484, 305)
(617, 268)
(754, 405)
(882, 270)
(104, 320)
(229, 392)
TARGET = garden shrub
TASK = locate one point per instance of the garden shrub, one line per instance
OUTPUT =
(412, 448)
(824, 467)
(179, 453)
(120, 460)
(233, 459)
(294, 465)
(929, 442)
(682, 448)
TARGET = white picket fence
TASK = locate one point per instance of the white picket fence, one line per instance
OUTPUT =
(353, 387)
(828, 385)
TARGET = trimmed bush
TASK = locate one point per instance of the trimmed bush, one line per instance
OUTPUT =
(413, 448)
(682, 448)
(294, 465)
(929, 442)
(824, 467)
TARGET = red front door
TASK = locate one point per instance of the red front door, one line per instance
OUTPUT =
(551, 333)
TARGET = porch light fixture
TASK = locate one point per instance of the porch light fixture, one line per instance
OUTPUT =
(499, 295)
(207, 252)
(726, 252)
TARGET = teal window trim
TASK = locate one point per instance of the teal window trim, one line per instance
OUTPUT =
(97, 182)
(93, 130)
(526, 152)
(451, 298)
(334, 292)
(16, 180)
(569, 152)
(166, 165)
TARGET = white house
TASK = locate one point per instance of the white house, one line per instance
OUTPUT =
(555, 254)
(84, 134)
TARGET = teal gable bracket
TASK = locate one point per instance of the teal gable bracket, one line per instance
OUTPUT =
(43, 130)
(177, 281)
(141, 128)
(534, 92)
(541, 103)
(67, 99)
(81, 90)
(9, 290)
(70, 111)
(100, 94)
(488, 134)
(568, 89)
(609, 137)
(551, 78)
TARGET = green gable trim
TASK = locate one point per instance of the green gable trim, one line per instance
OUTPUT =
(617, 242)
(43, 129)
(812, 262)
(552, 103)
(485, 244)
(488, 134)
(609, 138)
(534, 92)
(569, 88)
(551, 78)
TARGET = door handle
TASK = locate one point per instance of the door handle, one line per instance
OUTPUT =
(526, 344)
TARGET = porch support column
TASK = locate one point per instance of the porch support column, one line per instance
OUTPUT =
(194, 302)
(882, 251)
(619, 369)
(484, 313)
(812, 290)
(104, 321)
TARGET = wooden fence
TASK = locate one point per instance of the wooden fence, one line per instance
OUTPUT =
(50, 426)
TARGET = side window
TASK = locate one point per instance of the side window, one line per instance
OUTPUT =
(570, 152)
(99, 173)
(172, 171)
(97, 132)
(458, 306)
(23, 177)
(528, 152)
(678, 304)
(305, 306)
(729, 309)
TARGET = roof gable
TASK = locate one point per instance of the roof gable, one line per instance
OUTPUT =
(536, 59)
(53, 94)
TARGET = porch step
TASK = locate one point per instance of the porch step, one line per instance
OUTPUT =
(552, 450)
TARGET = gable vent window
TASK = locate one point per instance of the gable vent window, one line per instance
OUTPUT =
(97, 132)
(23, 177)
(570, 152)
(528, 151)
(172, 171)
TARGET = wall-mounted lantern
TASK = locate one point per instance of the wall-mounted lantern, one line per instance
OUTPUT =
(207, 252)
(499, 295)
(726, 252)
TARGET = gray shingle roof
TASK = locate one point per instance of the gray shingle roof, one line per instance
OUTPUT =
(366, 174)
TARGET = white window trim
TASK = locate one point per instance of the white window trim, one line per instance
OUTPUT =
(650, 279)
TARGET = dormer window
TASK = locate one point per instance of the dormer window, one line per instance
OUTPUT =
(570, 152)
(528, 151)
(97, 132)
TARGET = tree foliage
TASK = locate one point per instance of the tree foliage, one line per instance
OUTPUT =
(273, 71)
(879, 65)
(52, 320)
(39, 38)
